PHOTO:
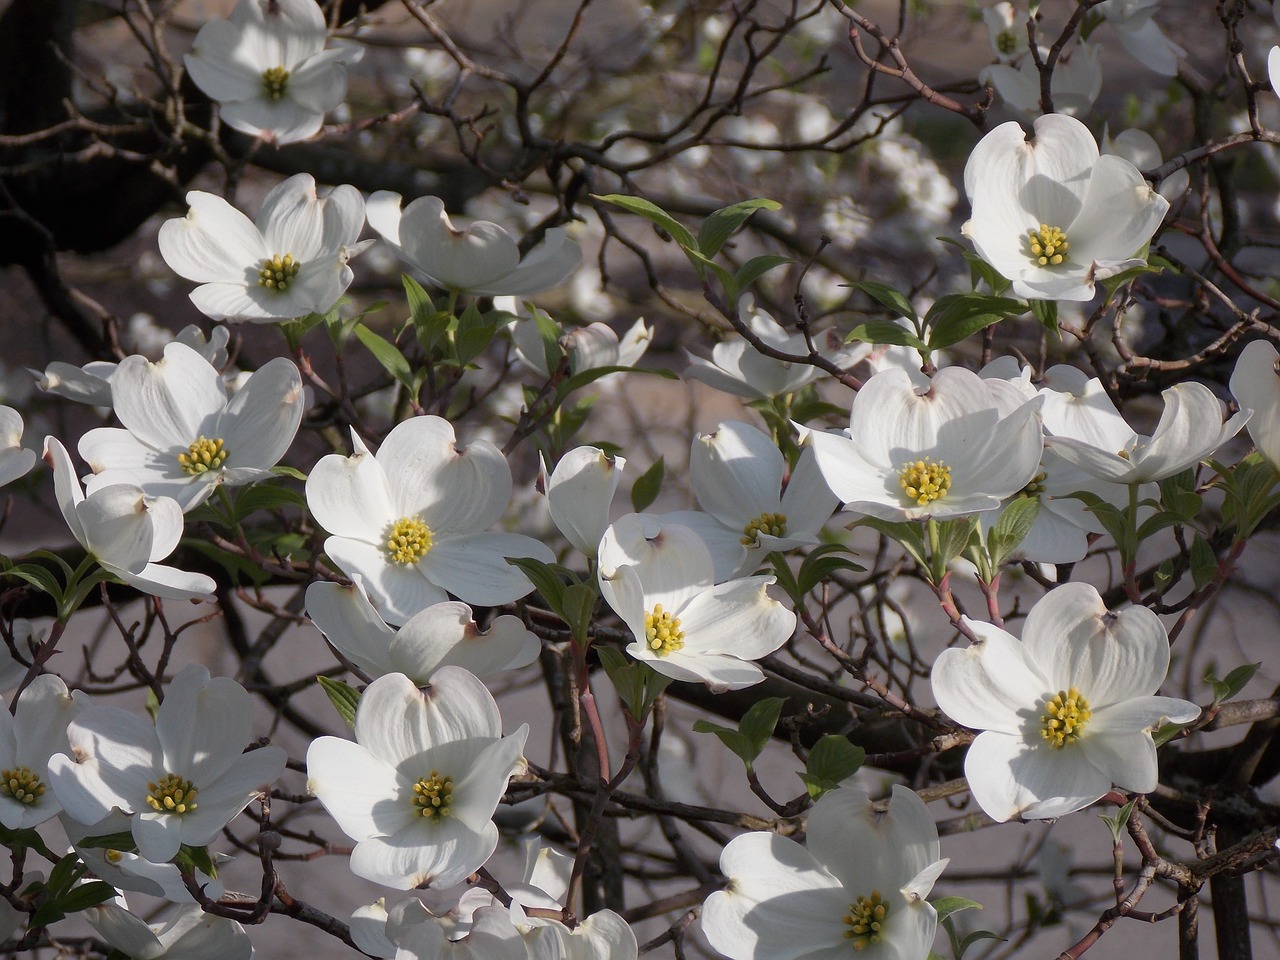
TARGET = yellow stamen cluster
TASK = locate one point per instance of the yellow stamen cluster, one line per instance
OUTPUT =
(432, 796)
(1064, 719)
(171, 794)
(1006, 42)
(278, 272)
(662, 631)
(21, 784)
(925, 481)
(1048, 245)
(865, 921)
(408, 540)
(274, 82)
(203, 455)
(770, 524)
(1035, 487)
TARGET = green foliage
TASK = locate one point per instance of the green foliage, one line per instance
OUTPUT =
(753, 733)
(886, 296)
(958, 316)
(1230, 686)
(345, 699)
(638, 685)
(1117, 823)
(61, 894)
(832, 760)
(647, 486)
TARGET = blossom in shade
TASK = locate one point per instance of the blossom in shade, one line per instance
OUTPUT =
(187, 933)
(418, 787)
(1273, 68)
(411, 520)
(268, 68)
(126, 531)
(1255, 383)
(945, 451)
(1051, 214)
(579, 492)
(290, 262)
(15, 460)
(1075, 85)
(183, 435)
(1142, 36)
(183, 778)
(1007, 32)
(1066, 711)
(128, 871)
(590, 347)
(659, 578)
(858, 890)
(35, 731)
(1140, 149)
(443, 634)
(481, 258)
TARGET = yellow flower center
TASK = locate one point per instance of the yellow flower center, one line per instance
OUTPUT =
(1048, 245)
(770, 524)
(408, 540)
(925, 481)
(171, 794)
(113, 856)
(1034, 487)
(1006, 42)
(274, 82)
(21, 784)
(865, 920)
(203, 455)
(662, 631)
(1064, 719)
(277, 272)
(432, 796)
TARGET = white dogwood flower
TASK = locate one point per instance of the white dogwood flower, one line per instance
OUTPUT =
(1142, 36)
(1075, 85)
(290, 262)
(481, 258)
(443, 634)
(1255, 383)
(1065, 712)
(126, 531)
(858, 890)
(15, 460)
(659, 578)
(946, 451)
(183, 778)
(590, 347)
(183, 435)
(1140, 149)
(418, 788)
(579, 492)
(268, 68)
(188, 933)
(34, 733)
(410, 520)
(1008, 33)
(1273, 68)
(1051, 214)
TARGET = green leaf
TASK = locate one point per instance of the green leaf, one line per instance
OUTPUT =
(737, 742)
(549, 579)
(885, 331)
(638, 685)
(755, 268)
(885, 295)
(946, 906)
(1204, 562)
(280, 470)
(65, 872)
(474, 335)
(549, 333)
(655, 215)
(1230, 686)
(647, 486)
(386, 353)
(832, 760)
(579, 603)
(198, 858)
(421, 308)
(1119, 821)
(963, 947)
(759, 722)
(953, 537)
(979, 269)
(38, 577)
(122, 841)
(1016, 521)
(345, 699)
(910, 536)
(821, 563)
(1046, 311)
(957, 316)
(785, 578)
(584, 377)
(85, 896)
(724, 223)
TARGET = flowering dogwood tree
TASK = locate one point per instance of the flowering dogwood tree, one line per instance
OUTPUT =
(775, 477)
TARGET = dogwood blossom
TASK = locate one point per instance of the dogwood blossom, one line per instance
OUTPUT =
(590, 347)
(579, 492)
(290, 262)
(15, 460)
(128, 871)
(1007, 33)
(183, 779)
(1142, 36)
(945, 451)
(183, 435)
(1273, 69)
(659, 578)
(35, 731)
(188, 933)
(1067, 711)
(126, 531)
(410, 519)
(482, 258)
(1140, 149)
(1075, 85)
(268, 68)
(418, 788)
(443, 634)
(1051, 214)
(1255, 383)
(858, 890)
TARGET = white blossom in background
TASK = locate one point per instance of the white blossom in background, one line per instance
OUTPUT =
(1052, 215)
(288, 263)
(1140, 149)
(1255, 383)
(858, 890)
(1083, 426)
(481, 258)
(942, 451)
(418, 788)
(1273, 68)
(579, 493)
(35, 731)
(1075, 85)
(736, 367)
(268, 68)
(15, 460)
(419, 934)
(1007, 32)
(590, 347)
(1065, 712)
(659, 578)
(188, 933)
(1142, 36)
(183, 435)
(411, 520)
(126, 531)
(183, 778)
(443, 634)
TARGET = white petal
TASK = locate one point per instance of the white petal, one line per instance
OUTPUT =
(468, 259)
(736, 618)
(349, 496)
(1256, 385)
(168, 404)
(990, 684)
(203, 724)
(213, 243)
(217, 63)
(261, 420)
(579, 494)
(544, 267)
(360, 791)
(349, 621)
(397, 590)
(737, 473)
(474, 569)
(1009, 777)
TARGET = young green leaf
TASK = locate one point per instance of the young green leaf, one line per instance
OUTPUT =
(724, 223)
(345, 699)
(647, 486)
